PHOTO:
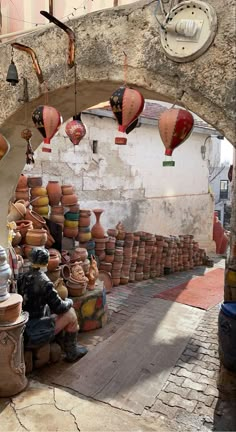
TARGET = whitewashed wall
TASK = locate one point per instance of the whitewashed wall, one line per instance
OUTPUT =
(130, 183)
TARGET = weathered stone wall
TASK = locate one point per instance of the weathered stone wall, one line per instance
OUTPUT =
(129, 182)
(206, 85)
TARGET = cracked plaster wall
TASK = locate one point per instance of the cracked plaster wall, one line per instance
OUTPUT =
(129, 182)
(207, 85)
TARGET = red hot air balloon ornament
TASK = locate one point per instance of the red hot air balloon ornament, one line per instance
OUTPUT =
(126, 104)
(75, 129)
(175, 126)
(47, 120)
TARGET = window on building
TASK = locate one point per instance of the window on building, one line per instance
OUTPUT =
(95, 147)
(224, 189)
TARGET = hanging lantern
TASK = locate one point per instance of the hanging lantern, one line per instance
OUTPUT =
(47, 120)
(126, 105)
(175, 126)
(75, 129)
(4, 146)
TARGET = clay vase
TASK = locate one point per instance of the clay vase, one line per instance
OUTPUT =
(61, 288)
(36, 237)
(53, 262)
(54, 192)
(97, 230)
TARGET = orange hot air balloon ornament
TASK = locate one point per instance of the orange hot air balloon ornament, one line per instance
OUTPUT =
(126, 104)
(47, 120)
(175, 126)
(75, 129)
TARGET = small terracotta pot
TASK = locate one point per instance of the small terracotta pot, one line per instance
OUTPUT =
(69, 200)
(22, 194)
(57, 218)
(112, 232)
(23, 226)
(71, 232)
(22, 182)
(11, 309)
(105, 266)
(53, 263)
(54, 192)
(67, 189)
(79, 254)
(16, 239)
(38, 221)
(57, 210)
(74, 208)
(70, 224)
(42, 211)
(36, 237)
(65, 271)
(84, 237)
(84, 221)
(35, 182)
(109, 258)
(116, 281)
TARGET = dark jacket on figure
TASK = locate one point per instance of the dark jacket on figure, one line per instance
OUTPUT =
(38, 291)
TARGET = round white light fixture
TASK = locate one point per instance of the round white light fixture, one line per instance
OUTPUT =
(189, 30)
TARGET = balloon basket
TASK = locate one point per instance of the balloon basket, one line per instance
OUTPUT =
(120, 140)
(168, 163)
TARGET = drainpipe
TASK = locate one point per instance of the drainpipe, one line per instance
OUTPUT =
(51, 7)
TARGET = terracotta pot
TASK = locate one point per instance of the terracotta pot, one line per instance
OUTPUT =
(57, 210)
(53, 251)
(84, 221)
(112, 232)
(70, 232)
(11, 309)
(42, 211)
(54, 274)
(22, 194)
(109, 258)
(105, 266)
(65, 257)
(67, 189)
(38, 221)
(27, 250)
(117, 265)
(53, 262)
(84, 237)
(35, 182)
(21, 201)
(54, 192)
(22, 182)
(36, 237)
(97, 229)
(85, 212)
(116, 281)
(16, 239)
(116, 273)
(79, 254)
(38, 191)
(59, 219)
(74, 208)
(61, 288)
(65, 271)
(76, 291)
(23, 226)
(69, 200)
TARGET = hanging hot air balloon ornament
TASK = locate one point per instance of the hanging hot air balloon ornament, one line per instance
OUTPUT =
(126, 104)
(75, 129)
(47, 120)
(175, 126)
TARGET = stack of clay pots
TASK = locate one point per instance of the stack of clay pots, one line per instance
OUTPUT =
(53, 268)
(22, 189)
(71, 224)
(128, 243)
(54, 194)
(77, 282)
(39, 197)
(135, 250)
(84, 234)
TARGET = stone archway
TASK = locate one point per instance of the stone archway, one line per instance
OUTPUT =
(205, 86)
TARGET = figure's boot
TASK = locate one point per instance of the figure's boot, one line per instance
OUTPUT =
(72, 349)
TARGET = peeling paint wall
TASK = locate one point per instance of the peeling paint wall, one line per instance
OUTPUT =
(129, 182)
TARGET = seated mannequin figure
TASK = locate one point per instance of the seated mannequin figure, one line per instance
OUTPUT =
(38, 294)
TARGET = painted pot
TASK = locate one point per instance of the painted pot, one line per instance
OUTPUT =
(71, 224)
(54, 192)
(35, 182)
(40, 201)
(97, 230)
(71, 216)
(69, 200)
(38, 221)
(22, 182)
(36, 237)
(67, 189)
(41, 210)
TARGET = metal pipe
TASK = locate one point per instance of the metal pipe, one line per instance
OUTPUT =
(51, 7)
(31, 52)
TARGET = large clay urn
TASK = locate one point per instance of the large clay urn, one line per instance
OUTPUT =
(97, 230)
(54, 192)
